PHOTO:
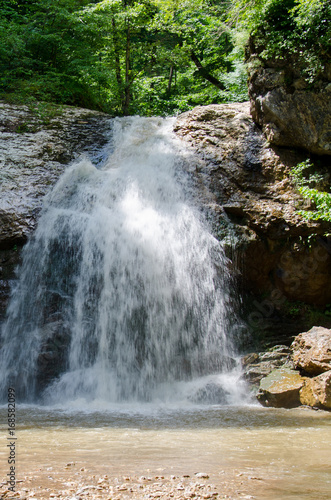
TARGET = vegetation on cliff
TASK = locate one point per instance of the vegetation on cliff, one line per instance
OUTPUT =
(152, 56)
(312, 185)
(291, 31)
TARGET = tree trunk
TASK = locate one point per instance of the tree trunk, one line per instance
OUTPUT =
(171, 74)
(117, 60)
(127, 86)
(117, 54)
(204, 73)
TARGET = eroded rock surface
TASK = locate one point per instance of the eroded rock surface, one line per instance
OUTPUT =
(291, 110)
(300, 119)
(316, 391)
(36, 145)
(312, 351)
(33, 154)
(248, 183)
(256, 366)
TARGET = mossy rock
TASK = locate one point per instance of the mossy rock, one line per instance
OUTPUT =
(281, 389)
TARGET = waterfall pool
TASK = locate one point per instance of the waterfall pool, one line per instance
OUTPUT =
(247, 452)
(122, 324)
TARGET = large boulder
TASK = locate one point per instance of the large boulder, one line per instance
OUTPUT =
(291, 109)
(281, 389)
(298, 119)
(312, 351)
(316, 391)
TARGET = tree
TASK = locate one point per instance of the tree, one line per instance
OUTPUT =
(298, 31)
(121, 56)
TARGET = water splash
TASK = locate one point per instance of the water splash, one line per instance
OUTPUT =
(123, 290)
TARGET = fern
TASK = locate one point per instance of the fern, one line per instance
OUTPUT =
(320, 199)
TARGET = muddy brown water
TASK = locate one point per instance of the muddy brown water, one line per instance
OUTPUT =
(247, 452)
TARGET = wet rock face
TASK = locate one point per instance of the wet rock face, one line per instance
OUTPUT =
(257, 366)
(247, 186)
(9, 260)
(33, 154)
(35, 148)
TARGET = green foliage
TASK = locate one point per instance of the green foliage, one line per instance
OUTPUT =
(121, 56)
(307, 181)
(295, 30)
(44, 49)
(152, 56)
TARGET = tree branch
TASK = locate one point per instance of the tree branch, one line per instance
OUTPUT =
(205, 73)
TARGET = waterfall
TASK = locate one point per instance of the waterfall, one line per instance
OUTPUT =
(123, 290)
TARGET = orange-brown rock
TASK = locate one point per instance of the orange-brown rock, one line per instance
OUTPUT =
(317, 391)
(312, 351)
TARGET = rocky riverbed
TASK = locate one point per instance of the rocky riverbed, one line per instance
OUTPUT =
(86, 485)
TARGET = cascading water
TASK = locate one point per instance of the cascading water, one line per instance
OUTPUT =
(123, 291)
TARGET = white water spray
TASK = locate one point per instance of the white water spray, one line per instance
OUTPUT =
(123, 291)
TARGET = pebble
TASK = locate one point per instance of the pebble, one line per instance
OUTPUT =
(124, 487)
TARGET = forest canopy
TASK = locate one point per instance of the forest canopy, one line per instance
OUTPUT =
(151, 56)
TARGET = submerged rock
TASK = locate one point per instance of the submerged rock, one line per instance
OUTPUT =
(211, 394)
(312, 351)
(281, 389)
